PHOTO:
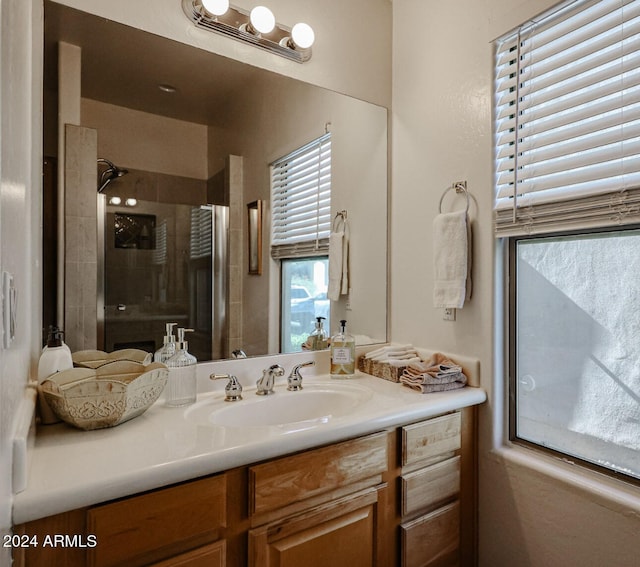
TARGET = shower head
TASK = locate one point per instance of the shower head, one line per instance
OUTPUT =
(109, 174)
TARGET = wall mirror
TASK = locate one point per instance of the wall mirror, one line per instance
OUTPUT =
(191, 136)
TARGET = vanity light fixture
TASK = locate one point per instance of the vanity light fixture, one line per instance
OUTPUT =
(115, 200)
(131, 202)
(257, 27)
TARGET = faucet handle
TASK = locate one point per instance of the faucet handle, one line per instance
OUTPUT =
(233, 389)
(295, 378)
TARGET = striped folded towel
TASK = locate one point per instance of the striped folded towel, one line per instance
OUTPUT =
(438, 374)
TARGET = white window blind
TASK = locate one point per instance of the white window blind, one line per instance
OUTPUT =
(567, 120)
(301, 201)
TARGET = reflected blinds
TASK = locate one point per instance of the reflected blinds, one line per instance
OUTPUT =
(301, 201)
(201, 232)
(567, 120)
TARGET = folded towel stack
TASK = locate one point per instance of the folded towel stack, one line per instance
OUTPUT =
(438, 374)
(394, 355)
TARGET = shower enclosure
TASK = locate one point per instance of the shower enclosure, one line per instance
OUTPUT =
(162, 263)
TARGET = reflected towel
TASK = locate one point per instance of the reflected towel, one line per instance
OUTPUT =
(452, 259)
(338, 259)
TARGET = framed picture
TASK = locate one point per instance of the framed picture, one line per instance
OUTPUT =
(254, 211)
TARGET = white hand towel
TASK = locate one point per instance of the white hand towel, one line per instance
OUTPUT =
(338, 259)
(451, 253)
(335, 265)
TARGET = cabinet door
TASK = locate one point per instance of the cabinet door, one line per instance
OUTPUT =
(340, 533)
(206, 556)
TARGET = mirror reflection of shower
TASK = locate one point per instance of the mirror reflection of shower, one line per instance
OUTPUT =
(108, 174)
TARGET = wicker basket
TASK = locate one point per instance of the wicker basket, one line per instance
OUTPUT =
(380, 369)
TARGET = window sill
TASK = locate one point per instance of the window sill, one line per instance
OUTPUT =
(611, 493)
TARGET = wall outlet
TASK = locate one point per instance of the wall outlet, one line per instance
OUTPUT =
(449, 314)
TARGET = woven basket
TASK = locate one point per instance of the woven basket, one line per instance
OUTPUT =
(380, 369)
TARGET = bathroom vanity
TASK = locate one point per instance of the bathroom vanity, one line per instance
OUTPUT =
(390, 483)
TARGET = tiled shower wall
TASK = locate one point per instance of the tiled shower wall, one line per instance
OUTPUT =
(80, 261)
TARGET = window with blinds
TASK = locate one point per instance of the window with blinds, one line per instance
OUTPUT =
(567, 120)
(301, 201)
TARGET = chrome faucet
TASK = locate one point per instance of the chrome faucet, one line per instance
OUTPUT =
(266, 383)
(233, 390)
(295, 378)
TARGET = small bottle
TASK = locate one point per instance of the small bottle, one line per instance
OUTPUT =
(181, 388)
(55, 357)
(343, 353)
(168, 348)
(318, 340)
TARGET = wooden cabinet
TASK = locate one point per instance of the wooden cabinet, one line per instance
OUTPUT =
(319, 507)
(403, 496)
(431, 491)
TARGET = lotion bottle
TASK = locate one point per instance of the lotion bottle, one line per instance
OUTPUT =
(181, 388)
(343, 353)
(168, 348)
(55, 357)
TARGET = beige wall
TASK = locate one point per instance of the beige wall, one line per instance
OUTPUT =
(442, 132)
(20, 212)
(351, 54)
(129, 138)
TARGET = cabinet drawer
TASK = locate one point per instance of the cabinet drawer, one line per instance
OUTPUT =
(213, 555)
(428, 439)
(433, 539)
(285, 481)
(157, 525)
(426, 487)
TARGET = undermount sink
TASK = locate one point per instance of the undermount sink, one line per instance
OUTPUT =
(313, 405)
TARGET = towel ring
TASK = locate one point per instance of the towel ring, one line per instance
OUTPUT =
(460, 187)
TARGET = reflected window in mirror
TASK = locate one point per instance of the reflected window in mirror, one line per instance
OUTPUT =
(304, 299)
(301, 222)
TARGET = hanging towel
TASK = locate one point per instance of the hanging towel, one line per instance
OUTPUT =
(338, 258)
(452, 259)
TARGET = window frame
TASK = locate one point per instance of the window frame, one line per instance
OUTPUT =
(511, 346)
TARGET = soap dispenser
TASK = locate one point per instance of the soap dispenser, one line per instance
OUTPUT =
(168, 348)
(55, 357)
(343, 353)
(318, 340)
(181, 386)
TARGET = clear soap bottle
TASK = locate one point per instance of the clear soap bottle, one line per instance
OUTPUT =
(319, 339)
(343, 353)
(168, 348)
(181, 386)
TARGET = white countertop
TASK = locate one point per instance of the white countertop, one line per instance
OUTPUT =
(71, 468)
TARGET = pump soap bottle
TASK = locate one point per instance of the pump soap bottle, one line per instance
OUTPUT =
(343, 353)
(168, 348)
(56, 356)
(318, 340)
(181, 386)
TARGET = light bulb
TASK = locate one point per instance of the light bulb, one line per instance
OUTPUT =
(115, 200)
(216, 7)
(302, 35)
(262, 19)
(131, 202)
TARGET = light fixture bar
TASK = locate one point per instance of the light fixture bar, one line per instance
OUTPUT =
(235, 21)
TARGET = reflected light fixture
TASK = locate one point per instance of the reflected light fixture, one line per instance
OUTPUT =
(257, 27)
